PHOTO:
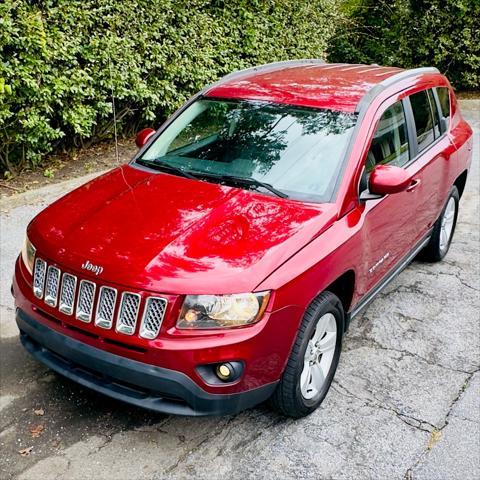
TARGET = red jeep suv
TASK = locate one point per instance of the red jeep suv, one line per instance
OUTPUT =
(222, 266)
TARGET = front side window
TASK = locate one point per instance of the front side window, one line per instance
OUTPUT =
(422, 115)
(390, 142)
(298, 151)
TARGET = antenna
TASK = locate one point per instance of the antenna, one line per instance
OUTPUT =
(117, 157)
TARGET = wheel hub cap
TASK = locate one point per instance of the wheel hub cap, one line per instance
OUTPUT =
(446, 228)
(318, 356)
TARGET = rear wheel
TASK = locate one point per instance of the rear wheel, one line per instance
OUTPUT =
(443, 230)
(314, 358)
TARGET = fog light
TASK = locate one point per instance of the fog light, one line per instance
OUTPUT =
(221, 373)
(224, 371)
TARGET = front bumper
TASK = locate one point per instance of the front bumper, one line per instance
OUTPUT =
(149, 386)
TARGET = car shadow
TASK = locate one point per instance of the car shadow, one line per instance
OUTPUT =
(73, 413)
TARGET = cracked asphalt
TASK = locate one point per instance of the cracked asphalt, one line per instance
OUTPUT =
(405, 403)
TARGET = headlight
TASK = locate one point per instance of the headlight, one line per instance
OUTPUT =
(222, 311)
(28, 254)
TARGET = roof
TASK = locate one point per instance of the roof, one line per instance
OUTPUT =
(336, 86)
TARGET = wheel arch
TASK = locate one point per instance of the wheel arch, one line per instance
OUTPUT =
(344, 287)
(460, 182)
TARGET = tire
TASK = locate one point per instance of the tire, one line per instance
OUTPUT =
(290, 397)
(441, 238)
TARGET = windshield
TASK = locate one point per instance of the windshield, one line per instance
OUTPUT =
(295, 151)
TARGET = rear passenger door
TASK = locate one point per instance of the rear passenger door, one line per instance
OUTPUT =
(431, 150)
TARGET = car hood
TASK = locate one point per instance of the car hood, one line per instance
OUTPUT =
(160, 232)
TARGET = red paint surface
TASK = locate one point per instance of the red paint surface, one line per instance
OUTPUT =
(154, 232)
(333, 86)
(386, 179)
(142, 136)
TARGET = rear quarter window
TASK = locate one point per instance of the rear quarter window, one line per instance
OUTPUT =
(444, 100)
(436, 117)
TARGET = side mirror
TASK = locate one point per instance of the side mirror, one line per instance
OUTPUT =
(385, 180)
(142, 136)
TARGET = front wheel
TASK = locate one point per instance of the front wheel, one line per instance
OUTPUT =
(443, 229)
(314, 358)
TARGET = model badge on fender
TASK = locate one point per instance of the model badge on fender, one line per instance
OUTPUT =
(96, 269)
(372, 269)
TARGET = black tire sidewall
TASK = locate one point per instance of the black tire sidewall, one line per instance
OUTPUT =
(330, 305)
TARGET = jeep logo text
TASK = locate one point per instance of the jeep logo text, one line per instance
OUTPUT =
(96, 269)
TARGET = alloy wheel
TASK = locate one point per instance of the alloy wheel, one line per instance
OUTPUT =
(318, 356)
(448, 220)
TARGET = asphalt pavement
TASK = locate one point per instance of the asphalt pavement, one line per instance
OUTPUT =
(405, 403)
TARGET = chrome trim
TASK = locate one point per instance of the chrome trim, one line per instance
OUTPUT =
(120, 325)
(104, 306)
(52, 297)
(64, 307)
(38, 287)
(146, 332)
(104, 322)
(85, 316)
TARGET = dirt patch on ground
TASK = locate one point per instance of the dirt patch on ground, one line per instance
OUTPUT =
(64, 166)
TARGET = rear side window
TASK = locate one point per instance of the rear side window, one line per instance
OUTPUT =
(390, 141)
(444, 99)
(436, 118)
(423, 119)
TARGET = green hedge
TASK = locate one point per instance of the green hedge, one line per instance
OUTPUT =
(412, 33)
(60, 60)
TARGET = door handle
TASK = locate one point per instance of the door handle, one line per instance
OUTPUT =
(415, 183)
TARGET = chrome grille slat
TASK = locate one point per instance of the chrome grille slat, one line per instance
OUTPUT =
(85, 299)
(128, 313)
(59, 290)
(51, 286)
(67, 293)
(152, 317)
(39, 277)
(107, 298)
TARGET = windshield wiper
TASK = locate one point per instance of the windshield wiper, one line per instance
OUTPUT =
(250, 182)
(166, 167)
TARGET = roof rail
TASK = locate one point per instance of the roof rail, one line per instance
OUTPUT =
(264, 68)
(367, 99)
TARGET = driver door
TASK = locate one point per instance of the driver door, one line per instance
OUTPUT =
(389, 222)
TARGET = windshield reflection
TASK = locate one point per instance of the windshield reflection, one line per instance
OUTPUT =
(296, 150)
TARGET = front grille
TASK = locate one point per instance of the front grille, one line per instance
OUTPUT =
(67, 293)
(86, 296)
(106, 307)
(39, 277)
(127, 316)
(152, 317)
(61, 290)
(51, 286)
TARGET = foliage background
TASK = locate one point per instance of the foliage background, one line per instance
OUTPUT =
(60, 60)
(412, 33)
